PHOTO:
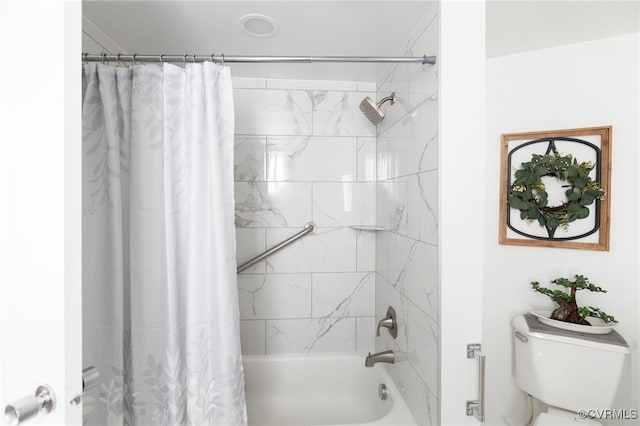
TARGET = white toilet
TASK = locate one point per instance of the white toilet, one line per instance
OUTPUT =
(568, 371)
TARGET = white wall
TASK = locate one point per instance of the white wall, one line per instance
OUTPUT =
(580, 85)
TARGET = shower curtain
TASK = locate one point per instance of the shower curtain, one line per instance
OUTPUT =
(160, 302)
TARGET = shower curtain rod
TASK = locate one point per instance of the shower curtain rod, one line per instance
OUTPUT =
(110, 57)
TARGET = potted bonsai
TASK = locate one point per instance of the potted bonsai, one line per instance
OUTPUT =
(568, 309)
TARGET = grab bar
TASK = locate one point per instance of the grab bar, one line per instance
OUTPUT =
(476, 408)
(308, 229)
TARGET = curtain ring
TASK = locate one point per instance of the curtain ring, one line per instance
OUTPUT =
(212, 55)
(133, 58)
(162, 58)
(84, 59)
(118, 59)
(194, 58)
(104, 58)
(222, 54)
(184, 58)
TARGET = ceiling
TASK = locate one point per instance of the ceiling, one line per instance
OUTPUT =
(517, 26)
(347, 27)
(306, 28)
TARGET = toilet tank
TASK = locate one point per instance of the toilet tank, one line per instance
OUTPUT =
(569, 372)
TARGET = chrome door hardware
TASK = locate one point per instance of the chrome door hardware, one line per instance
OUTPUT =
(389, 322)
(476, 407)
(43, 402)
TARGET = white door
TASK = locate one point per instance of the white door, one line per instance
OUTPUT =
(40, 299)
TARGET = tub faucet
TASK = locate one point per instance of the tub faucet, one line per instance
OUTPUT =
(372, 359)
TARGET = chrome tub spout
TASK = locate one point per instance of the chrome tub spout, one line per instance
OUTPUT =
(386, 356)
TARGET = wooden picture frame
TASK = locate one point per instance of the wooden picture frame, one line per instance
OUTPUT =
(591, 145)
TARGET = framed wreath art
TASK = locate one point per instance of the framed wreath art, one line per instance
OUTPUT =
(554, 188)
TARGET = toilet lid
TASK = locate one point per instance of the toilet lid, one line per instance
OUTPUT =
(546, 419)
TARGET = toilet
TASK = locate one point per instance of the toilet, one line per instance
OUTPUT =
(570, 371)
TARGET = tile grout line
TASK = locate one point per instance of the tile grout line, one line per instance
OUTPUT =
(311, 297)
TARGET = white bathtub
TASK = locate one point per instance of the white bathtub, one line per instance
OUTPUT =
(320, 389)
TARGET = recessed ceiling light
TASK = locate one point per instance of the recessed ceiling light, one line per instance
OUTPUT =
(257, 25)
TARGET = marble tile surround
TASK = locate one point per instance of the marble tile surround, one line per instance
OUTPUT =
(327, 292)
(407, 205)
(304, 152)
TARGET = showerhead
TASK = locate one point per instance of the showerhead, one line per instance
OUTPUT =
(372, 110)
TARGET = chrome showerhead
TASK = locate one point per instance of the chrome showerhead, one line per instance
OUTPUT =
(372, 110)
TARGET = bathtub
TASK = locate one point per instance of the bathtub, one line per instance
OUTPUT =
(319, 390)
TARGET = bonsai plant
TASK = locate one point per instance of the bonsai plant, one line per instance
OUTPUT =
(568, 309)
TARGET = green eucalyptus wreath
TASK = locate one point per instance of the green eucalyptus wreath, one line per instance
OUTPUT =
(528, 193)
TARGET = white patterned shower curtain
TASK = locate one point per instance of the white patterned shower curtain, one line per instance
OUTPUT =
(160, 302)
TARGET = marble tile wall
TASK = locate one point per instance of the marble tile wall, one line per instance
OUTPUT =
(304, 152)
(407, 206)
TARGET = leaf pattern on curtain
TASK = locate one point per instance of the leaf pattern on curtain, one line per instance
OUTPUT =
(160, 303)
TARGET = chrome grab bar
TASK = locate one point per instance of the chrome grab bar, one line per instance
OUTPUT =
(476, 408)
(308, 229)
